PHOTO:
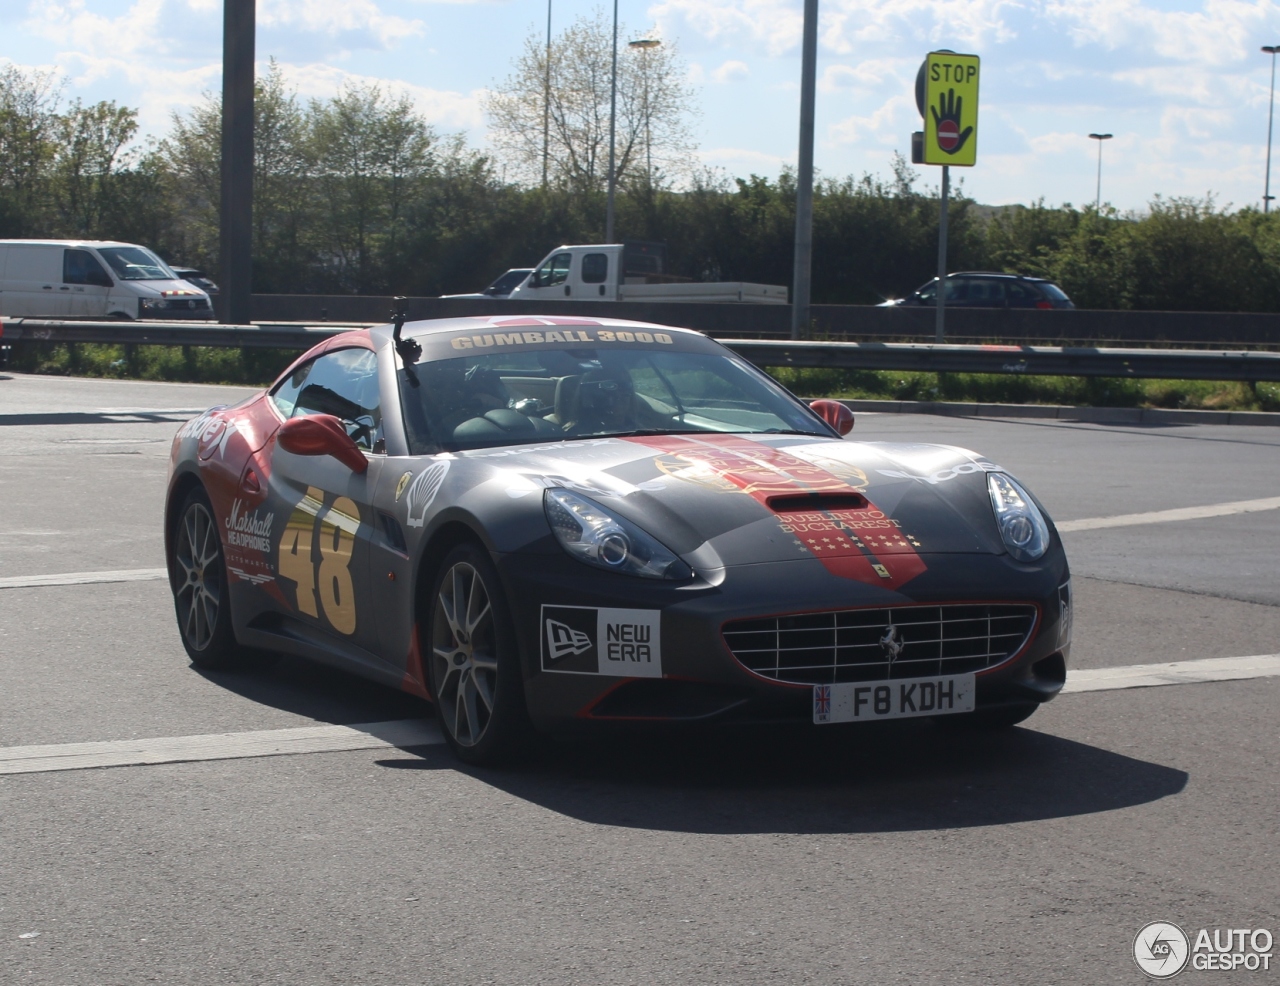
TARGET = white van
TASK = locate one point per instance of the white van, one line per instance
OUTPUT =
(92, 278)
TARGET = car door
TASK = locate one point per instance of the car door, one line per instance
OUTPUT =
(593, 273)
(1021, 294)
(323, 549)
(957, 289)
(85, 282)
(550, 281)
(33, 275)
(985, 292)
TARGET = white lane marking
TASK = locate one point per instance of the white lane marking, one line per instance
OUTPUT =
(219, 746)
(1173, 673)
(1163, 516)
(84, 578)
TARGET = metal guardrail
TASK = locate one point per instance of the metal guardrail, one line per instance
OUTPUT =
(1173, 364)
(145, 333)
(910, 323)
(1162, 364)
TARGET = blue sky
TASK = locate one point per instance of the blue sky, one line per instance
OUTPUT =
(1182, 84)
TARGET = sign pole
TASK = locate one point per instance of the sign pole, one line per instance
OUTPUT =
(235, 250)
(802, 272)
(939, 331)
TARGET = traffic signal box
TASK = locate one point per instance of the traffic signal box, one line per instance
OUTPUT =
(947, 97)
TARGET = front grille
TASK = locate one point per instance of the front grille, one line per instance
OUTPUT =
(823, 648)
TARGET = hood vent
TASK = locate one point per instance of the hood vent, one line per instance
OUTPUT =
(787, 503)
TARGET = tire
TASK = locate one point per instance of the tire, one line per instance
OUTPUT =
(988, 720)
(474, 665)
(198, 577)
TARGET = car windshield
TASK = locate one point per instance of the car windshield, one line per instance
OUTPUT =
(137, 264)
(485, 400)
(507, 282)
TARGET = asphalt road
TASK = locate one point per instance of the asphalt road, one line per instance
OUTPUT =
(902, 854)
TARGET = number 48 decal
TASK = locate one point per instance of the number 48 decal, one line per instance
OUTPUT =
(332, 577)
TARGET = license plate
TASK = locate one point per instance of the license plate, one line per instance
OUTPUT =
(871, 701)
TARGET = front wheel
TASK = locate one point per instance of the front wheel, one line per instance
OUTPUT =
(475, 670)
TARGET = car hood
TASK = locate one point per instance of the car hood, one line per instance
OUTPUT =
(731, 500)
(158, 289)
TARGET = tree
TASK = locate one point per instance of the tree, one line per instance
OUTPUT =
(90, 140)
(28, 120)
(283, 204)
(653, 106)
(373, 156)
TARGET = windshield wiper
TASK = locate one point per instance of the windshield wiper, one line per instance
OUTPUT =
(643, 432)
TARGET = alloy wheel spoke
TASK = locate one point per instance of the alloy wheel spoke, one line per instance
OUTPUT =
(192, 618)
(208, 541)
(197, 639)
(450, 675)
(475, 621)
(210, 608)
(464, 711)
(484, 688)
(189, 538)
(448, 607)
(211, 589)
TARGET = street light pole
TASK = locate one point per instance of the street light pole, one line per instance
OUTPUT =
(802, 272)
(613, 118)
(1097, 205)
(546, 103)
(646, 45)
(1271, 107)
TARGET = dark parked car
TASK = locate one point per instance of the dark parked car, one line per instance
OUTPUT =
(983, 289)
(501, 287)
(197, 277)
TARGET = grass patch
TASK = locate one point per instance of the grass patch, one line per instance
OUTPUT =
(998, 388)
(185, 364)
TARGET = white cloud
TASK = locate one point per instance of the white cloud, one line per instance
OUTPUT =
(742, 160)
(334, 17)
(79, 30)
(730, 71)
(867, 75)
(448, 110)
(886, 124)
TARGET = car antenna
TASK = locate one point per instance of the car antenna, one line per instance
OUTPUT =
(409, 349)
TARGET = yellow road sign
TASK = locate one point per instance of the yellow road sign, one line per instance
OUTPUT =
(951, 109)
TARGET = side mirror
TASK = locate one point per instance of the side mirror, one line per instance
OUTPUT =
(837, 415)
(321, 434)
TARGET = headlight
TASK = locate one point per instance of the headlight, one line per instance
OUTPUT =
(151, 304)
(1021, 524)
(593, 535)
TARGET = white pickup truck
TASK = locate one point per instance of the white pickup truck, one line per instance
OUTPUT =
(630, 272)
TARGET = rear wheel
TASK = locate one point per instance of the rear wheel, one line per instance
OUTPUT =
(198, 576)
(475, 670)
